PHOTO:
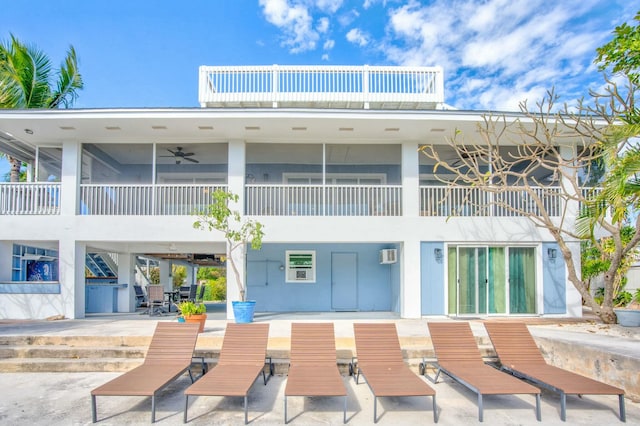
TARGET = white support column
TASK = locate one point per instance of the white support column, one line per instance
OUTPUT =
(237, 170)
(69, 181)
(126, 275)
(166, 275)
(6, 260)
(72, 281)
(410, 180)
(574, 299)
(410, 295)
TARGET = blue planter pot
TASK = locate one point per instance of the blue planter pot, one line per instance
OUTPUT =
(243, 311)
(628, 317)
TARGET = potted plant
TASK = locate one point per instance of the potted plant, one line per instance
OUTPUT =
(628, 312)
(238, 232)
(193, 312)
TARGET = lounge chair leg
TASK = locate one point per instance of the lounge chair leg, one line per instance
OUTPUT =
(246, 415)
(186, 407)
(435, 410)
(344, 417)
(375, 409)
(153, 409)
(480, 410)
(285, 409)
(94, 414)
(623, 414)
(563, 407)
(538, 412)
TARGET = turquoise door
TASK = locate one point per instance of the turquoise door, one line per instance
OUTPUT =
(344, 281)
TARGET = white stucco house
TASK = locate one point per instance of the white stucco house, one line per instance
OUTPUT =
(327, 158)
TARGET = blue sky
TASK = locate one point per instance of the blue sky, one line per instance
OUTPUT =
(495, 53)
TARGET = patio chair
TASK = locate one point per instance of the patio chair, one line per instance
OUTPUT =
(156, 299)
(141, 297)
(188, 292)
(459, 358)
(313, 369)
(379, 359)
(519, 355)
(201, 289)
(168, 357)
(242, 359)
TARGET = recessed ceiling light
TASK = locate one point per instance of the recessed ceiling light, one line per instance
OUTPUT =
(392, 129)
(252, 128)
(159, 127)
(67, 128)
(113, 128)
(28, 131)
(346, 129)
(205, 127)
(299, 128)
(437, 130)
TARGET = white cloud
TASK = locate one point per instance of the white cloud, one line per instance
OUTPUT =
(295, 22)
(325, 57)
(330, 6)
(323, 25)
(356, 36)
(329, 44)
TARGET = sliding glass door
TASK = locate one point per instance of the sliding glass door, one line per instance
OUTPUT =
(491, 280)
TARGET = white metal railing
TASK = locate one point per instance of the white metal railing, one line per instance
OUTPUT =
(325, 86)
(25, 198)
(137, 200)
(323, 200)
(467, 201)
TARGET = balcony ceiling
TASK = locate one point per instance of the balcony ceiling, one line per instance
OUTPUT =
(184, 126)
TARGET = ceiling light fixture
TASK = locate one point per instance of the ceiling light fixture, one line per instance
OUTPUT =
(28, 131)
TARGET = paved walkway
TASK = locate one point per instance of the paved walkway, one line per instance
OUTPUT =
(63, 398)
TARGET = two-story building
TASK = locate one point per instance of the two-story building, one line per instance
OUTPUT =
(326, 158)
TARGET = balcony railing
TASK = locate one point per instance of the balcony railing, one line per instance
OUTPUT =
(465, 201)
(137, 200)
(361, 87)
(323, 200)
(29, 198)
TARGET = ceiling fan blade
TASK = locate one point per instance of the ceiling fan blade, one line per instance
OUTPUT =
(191, 159)
(188, 154)
(171, 151)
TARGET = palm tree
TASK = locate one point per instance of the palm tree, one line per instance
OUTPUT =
(26, 82)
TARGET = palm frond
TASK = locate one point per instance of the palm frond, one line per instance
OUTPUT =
(69, 82)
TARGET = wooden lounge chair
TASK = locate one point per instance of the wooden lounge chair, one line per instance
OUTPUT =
(242, 359)
(519, 354)
(379, 359)
(313, 369)
(169, 356)
(459, 358)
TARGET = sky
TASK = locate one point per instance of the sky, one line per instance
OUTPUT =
(494, 53)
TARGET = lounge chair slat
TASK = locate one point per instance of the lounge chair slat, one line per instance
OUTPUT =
(459, 357)
(519, 354)
(313, 370)
(168, 357)
(241, 361)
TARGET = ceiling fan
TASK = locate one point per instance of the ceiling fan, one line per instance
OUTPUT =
(180, 155)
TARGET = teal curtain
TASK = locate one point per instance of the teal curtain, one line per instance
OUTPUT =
(467, 277)
(522, 280)
(497, 281)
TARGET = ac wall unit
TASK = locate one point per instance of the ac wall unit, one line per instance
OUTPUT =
(388, 256)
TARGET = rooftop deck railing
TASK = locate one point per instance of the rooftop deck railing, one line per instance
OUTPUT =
(322, 87)
(27, 198)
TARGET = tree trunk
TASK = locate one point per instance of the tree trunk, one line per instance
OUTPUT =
(14, 175)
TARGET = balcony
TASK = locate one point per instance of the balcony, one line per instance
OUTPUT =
(29, 198)
(141, 200)
(323, 200)
(466, 201)
(346, 87)
(277, 200)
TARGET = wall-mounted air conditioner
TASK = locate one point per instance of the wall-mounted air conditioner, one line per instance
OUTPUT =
(388, 256)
